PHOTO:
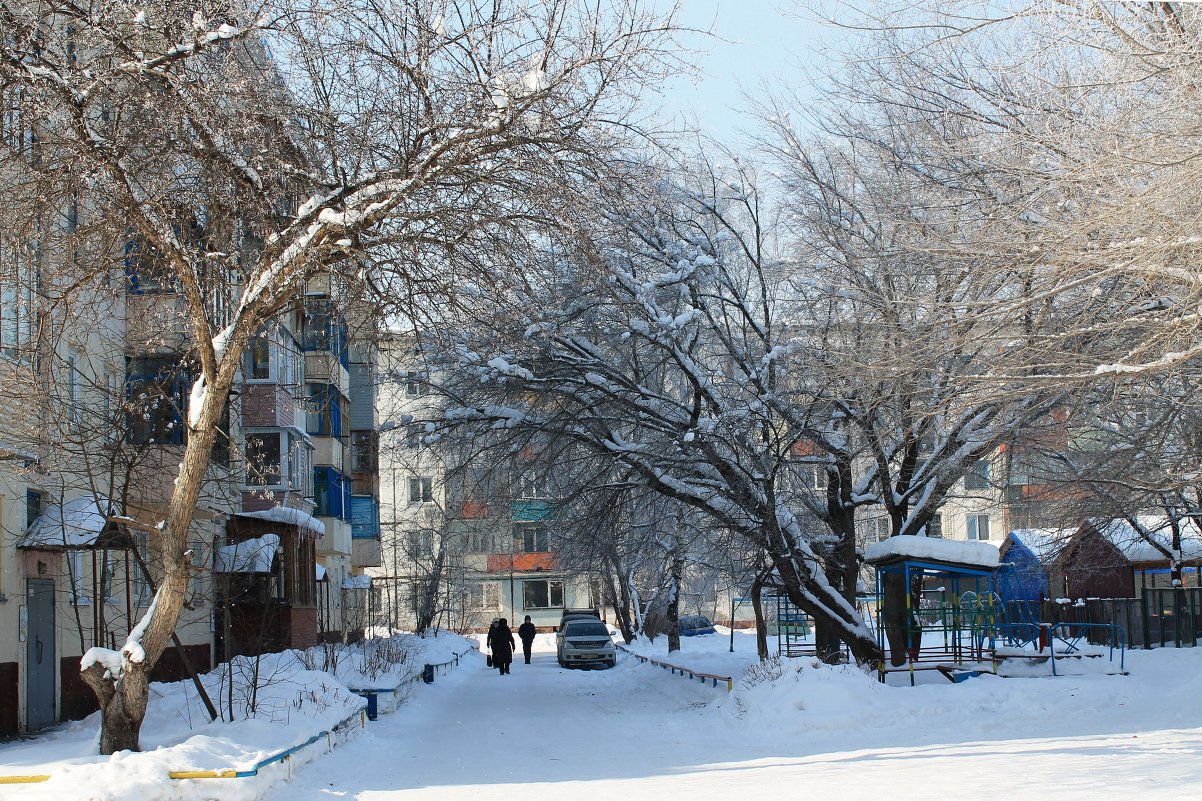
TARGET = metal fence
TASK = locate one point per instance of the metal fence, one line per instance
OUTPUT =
(1161, 617)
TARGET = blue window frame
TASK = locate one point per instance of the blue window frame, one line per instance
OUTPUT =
(365, 517)
(145, 271)
(332, 492)
(156, 391)
(328, 413)
(325, 330)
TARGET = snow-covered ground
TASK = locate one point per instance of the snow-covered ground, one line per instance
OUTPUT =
(638, 732)
(294, 703)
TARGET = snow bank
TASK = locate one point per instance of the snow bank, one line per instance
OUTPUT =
(293, 702)
(974, 554)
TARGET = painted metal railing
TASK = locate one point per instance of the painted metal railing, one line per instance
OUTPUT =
(361, 715)
(682, 671)
(284, 756)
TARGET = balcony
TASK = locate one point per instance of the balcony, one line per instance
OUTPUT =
(531, 510)
(366, 553)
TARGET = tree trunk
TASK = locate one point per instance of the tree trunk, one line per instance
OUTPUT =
(761, 625)
(899, 613)
(815, 596)
(676, 574)
(429, 601)
(123, 703)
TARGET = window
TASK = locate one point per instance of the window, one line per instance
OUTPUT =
(146, 271)
(221, 442)
(415, 386)
(325, 330)
(421, 542)
(273, 357)
(542, 594)
(530, 538)
(363, 451)
(882, 528)
(485, 595)
(140, 592)
(272, 456)
(264, 461)
(16, 123)
(421, 489)
(258, 359)
(480, 542)
(18, 283)
(977, 475)
(157, 390)
(75, 566)
(331, 491)
(328, 414)
(365, 517)
(935, 527)
(34, 501)
(978, 527)
(812, 476)
(532, 485)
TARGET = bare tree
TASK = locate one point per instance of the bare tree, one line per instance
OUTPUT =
(247, 150)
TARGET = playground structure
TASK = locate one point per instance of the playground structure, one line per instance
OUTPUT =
(948, 621)
(941, 610)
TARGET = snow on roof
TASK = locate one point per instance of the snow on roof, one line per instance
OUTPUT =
(961, 552)
(1136, 548)
(74, 524)
(288, 516)
(356, 583)
(1044, 543)
(248, 556)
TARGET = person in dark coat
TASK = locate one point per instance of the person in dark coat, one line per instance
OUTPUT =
(488, 640)
(502, 644)
(526, 632)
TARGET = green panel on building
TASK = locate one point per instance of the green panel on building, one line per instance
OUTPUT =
(531, 510)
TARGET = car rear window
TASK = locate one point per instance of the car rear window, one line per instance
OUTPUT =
(586, 628)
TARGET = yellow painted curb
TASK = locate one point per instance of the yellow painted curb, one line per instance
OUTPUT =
(225, 773)
(22, 779)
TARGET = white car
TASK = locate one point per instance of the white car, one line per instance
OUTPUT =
(585, 642)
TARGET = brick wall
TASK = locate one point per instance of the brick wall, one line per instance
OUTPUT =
(304, 626)
(257, 501)
(267, 405)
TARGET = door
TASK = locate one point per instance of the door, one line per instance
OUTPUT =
(40, 656)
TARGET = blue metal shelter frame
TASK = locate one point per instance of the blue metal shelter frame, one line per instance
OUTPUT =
(962, 619)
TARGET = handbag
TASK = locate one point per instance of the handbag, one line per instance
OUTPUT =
(489, 658)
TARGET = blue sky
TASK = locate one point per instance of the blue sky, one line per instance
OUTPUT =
(758, 40)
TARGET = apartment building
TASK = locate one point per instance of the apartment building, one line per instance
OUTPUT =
(97, 376)
(466, 537)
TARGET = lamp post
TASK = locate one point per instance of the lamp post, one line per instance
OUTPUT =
(734, 602)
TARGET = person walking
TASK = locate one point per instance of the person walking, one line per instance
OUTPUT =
(526, 632)
(502, 646)
(488, 640)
